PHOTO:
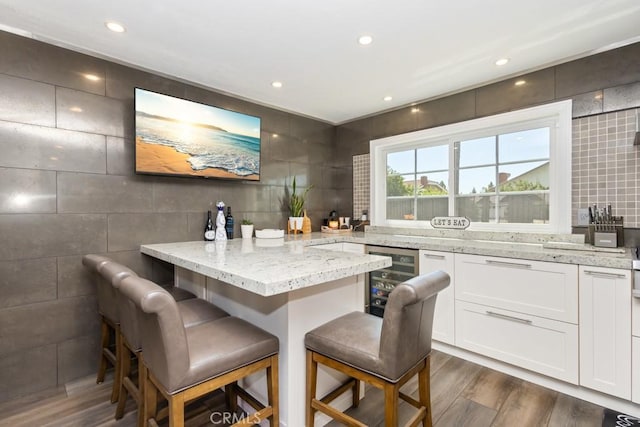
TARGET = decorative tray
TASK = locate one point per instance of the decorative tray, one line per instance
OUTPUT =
(269, 233)
(326, 229)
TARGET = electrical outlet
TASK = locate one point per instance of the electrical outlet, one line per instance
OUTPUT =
(583, 216)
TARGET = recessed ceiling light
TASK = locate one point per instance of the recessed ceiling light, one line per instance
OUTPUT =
(502, 61)
(76, 109)
(365, 40)
(276, 84)
(387, 98)
(91, 77)
(520, 82)
(115, 27)
(415, 110)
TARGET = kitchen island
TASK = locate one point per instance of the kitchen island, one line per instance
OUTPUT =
(286, 288)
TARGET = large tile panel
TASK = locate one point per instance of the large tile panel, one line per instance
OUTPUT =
(622, 97)
(27, 191)
(78, 357)
(252, 197)
(608, 69)
(506, 95)
(394, 123)
(129, 231)
(28, 371)
(90, 193)
(73, 278)
(34, 60)
(185, 194)
(37, 147)
(43, 235)
(27, 281)
(451, 109)
(586, 104)
(26, 101)
(122, 80)
(36, 325)
(86, 112)
(120, 156)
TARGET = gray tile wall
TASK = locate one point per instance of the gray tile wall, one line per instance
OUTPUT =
(605, 90)
(67, 188)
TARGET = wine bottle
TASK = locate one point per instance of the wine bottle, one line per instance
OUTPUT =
(228, 224)
(209, 232)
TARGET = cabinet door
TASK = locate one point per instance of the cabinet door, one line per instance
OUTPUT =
(444, 316)
(635, 367)
(605, 330)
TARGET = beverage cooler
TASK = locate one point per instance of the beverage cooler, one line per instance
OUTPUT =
(381, 282)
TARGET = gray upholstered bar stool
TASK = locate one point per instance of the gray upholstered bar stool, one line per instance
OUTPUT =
(385, 353)
(193, 311)
(186, 363)
(110, 319)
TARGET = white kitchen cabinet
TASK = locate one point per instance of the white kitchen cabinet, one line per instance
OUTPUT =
(444, 316)
(605, 330)
(541, 345)
(635, 369)
(543, 289)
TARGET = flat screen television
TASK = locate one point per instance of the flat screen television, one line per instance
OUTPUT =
(175, 136)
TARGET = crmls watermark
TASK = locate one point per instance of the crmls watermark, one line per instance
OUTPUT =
(232, 418)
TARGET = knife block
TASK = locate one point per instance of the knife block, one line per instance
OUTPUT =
(610, 235)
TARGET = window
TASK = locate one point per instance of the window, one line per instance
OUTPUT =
(506, 172)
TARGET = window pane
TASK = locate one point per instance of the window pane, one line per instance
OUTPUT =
(396, 184)
(477, 180)
(527, 208)
(524, 145)
(431, 206)
(402, 161)
(433, 184)
(524, 176)
(481, 151)
(433, 158)
(478, 208)
(400, 208)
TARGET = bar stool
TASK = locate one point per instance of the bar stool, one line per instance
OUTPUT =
(185, 363)
(110, 319)
(385, 353)
(193, 312)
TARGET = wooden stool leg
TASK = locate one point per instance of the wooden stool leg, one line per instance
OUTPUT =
(231, 396)
(356, 393)
(312, 379)
(150, 399)
(115, 391)
(424, 387)
(273, 391)
(176, 410)
(391, 396)
(142, 378)
(104, 343)
(125, 371)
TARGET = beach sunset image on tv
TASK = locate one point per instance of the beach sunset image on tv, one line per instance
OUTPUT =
(179, 137)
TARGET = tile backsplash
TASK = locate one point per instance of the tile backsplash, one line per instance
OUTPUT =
(605, 164)
(605, 167)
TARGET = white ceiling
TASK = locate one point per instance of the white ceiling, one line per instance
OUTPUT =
(422, 49)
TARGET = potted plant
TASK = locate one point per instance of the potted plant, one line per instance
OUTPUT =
(296, 206)
(246, 228)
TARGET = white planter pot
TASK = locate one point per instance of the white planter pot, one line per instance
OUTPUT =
(295, 222)
(246, 230)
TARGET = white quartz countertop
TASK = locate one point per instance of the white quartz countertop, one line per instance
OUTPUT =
(265, 266)
(513, 246)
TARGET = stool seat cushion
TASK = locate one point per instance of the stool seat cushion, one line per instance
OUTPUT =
(353, 339)
(195, 311)
(221, 346)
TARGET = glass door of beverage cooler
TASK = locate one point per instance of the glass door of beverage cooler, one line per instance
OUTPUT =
(381, 282)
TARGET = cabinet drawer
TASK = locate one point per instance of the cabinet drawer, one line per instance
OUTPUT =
(537, 288)
(546, 346)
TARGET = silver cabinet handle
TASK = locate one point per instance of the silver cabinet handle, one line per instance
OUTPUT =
(508, 264)
(504, 316)
(434, 256)
(605, 274)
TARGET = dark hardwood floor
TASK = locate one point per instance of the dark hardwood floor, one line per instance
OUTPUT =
(462, 394)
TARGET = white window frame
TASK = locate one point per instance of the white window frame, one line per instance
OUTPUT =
(556, 116)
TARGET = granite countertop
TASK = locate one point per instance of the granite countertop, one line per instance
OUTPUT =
(566, 249)
(265, 266)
